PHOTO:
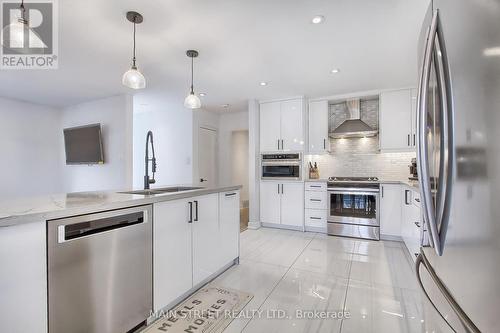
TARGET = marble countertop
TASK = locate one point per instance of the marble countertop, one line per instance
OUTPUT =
(55, 206)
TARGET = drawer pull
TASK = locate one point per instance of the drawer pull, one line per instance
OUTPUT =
(315, 218)
(317, 200)
(230, 194)
(316, 186)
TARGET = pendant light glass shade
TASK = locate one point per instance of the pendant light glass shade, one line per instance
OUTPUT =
(15, 31)
(192, 101)
(134, 79)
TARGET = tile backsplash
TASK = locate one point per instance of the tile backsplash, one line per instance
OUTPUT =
(361, 158)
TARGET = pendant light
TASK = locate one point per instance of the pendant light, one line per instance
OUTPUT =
(15, 30)
(192, 101)
(133, 78)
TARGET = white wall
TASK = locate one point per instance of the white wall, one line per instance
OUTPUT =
(229, 158)
(115, 116)
(29, 149)
(172, 126)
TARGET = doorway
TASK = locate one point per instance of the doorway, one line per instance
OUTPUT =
(239, 171)
(207, 157)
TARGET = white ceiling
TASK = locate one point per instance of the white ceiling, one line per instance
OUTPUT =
(241, 43)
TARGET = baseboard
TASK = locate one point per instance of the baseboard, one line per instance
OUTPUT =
(316, 229)
(254, 225)
(282, 226)
(391, 238)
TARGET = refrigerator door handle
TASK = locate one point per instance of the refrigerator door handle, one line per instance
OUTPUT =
(422, 149)
(447, 153)
(467, 323)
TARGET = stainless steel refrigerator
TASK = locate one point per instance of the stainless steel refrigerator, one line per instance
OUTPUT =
(459, 165)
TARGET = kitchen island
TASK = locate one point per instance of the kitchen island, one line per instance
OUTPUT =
(192, 236)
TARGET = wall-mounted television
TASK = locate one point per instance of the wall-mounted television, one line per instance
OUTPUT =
(83, 145)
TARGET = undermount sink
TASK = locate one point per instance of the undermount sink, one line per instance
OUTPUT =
(154, 191)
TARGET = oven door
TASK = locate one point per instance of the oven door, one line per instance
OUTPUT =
(281, 170)
(353, 207)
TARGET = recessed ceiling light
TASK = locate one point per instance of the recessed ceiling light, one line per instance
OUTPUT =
(263, 83)
(203, 94)
(225, 106)
(335, 71)
(318, 19)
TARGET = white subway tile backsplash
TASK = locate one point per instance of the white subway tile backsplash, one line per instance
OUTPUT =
(361, 158)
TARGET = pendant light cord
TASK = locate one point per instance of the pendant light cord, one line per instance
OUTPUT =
(133, 58)
(192, 75)
(23, 11)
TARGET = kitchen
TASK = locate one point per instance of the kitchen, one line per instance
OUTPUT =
(319, 171)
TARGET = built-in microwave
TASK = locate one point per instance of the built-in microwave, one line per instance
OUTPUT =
(282, 166)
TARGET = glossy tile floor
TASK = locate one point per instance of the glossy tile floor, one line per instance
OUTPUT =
(289, 271)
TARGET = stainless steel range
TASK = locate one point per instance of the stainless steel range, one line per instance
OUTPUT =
(353, 207)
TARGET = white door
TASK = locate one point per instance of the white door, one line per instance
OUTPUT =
(270, 119)
(229, 218)
(270, 202)
(390, 210)
(205, 236)
(395, 120)
(292, 125)
(292, 204)
(318, 127)
(172, 265)
(207, 157)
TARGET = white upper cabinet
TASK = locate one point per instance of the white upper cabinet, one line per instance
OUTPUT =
(282, 126)
(292, 125)
(390, 210)
(318, 127)
(270, 126)
(397, 131)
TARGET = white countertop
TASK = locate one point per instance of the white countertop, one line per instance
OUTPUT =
(410, 183)
(55, 206)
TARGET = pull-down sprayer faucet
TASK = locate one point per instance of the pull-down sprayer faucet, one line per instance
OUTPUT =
(147, 180)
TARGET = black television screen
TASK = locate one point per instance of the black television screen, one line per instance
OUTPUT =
(83, 145)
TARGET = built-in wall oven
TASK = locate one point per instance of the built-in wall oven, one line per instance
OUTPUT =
(353, 210)
(282, 166)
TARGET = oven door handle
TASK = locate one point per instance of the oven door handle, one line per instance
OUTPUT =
(281, 163)
(355, 192)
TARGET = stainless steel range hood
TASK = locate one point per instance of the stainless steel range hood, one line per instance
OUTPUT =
(353, 127)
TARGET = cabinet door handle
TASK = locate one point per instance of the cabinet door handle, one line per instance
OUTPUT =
(282, 189)
(324, 144)
(408, 140)
(282, 145)
(230, 194)
(196, 211)
(414, 140)
(382, 188)
(278, 188)
(190, 212)
(278, 144)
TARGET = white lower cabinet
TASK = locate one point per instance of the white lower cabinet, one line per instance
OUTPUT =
(193, 238)
(229, 211)
(390, 210)
(206, 238)
(411, 221)
(172, 264)
(316, 206)
(282, 203)
(23, 278)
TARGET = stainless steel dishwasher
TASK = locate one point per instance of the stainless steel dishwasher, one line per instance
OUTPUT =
(100, 271)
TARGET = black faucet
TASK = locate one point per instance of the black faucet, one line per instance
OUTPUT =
(147, 180)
